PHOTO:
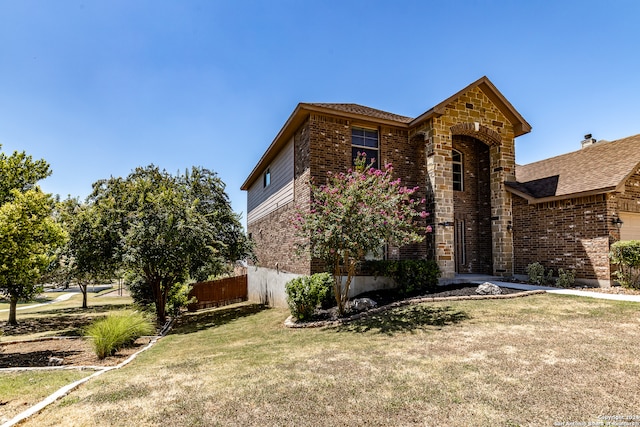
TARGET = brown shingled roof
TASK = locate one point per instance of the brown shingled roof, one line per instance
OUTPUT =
(599, 168)
(362, 110)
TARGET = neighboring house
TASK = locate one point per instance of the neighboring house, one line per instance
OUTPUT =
(461, 153)
(568, 209)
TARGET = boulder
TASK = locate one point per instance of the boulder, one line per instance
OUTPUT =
(488, 289)
(362, 304)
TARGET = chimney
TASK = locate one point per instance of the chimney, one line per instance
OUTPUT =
(588, 141)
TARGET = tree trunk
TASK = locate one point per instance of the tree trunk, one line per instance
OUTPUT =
(13, 304)
(159, 299)
(83, 289)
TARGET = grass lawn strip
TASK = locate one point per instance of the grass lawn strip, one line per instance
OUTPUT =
(20, 390)
(530, 361)
(70, 387)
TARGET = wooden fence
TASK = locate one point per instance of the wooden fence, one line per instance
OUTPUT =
(218, 292)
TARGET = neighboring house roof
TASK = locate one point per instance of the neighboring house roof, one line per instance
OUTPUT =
(600, 168)
(360, 112)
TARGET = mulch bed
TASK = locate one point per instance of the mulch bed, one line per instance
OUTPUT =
(72, 351)
(389, 298)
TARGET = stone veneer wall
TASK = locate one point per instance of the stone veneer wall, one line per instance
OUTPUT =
(570, 234)
(472, 114)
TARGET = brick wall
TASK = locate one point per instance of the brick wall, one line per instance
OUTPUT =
(274, 234)
(569, 234)
(330, 148)
(629, 200)
(472, 206)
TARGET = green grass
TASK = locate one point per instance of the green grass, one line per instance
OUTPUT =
(20, 390)
(530, 361)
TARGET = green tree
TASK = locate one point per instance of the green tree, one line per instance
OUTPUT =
(167, 228)
(87, 255)
(20, 172)
(355, 213)
(28, 236)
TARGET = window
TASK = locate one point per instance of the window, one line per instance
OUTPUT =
(457, 170)
(266, 178)
(365, 141)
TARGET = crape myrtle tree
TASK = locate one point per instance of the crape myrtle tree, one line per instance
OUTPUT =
(355, 213)
(168, 228)
(28, 232)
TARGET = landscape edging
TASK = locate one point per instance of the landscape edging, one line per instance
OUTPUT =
(290, 323)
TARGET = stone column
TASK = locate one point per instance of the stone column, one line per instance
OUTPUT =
(502, 168)
(439, 173)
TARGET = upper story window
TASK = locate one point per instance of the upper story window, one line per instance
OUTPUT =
(266, 178)
(457, 170)
(365, 141)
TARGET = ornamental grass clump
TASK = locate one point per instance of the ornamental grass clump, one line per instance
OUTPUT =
(118, 330)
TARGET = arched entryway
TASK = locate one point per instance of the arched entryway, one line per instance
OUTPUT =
(471, 170)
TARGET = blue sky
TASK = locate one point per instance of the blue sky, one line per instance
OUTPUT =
(99, 87)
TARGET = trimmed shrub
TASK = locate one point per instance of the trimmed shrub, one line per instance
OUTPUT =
(306, 293)
(626, 255)
(410, 276)
(535, 271)
(118, 330)
(566, 279)
(178, 298)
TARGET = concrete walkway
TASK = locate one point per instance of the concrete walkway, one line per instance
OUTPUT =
(478, 278)
(61, 298)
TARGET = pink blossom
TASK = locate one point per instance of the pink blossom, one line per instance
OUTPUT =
(424, 214)
(429, 229)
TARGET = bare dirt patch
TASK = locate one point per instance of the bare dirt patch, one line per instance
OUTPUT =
(72, 352)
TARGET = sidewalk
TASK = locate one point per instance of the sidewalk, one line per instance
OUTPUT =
(61, 298)
(477, 278)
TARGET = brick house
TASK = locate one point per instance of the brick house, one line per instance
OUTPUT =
(461, 153)
(567, 209)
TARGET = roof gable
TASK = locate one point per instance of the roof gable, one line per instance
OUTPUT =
(520, 125)
(599, 168)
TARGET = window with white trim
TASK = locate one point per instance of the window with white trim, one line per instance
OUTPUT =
(458, 175)
(365, 141)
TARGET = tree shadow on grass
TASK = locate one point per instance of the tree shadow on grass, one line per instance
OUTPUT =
(406, 319)
(82, 311)
(205, 319)
(32, 359)
(67, 321)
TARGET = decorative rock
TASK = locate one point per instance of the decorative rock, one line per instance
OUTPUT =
(56, 361)
(488, 289)
(362, 304)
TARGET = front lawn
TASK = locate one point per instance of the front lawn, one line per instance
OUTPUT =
(530, 361)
